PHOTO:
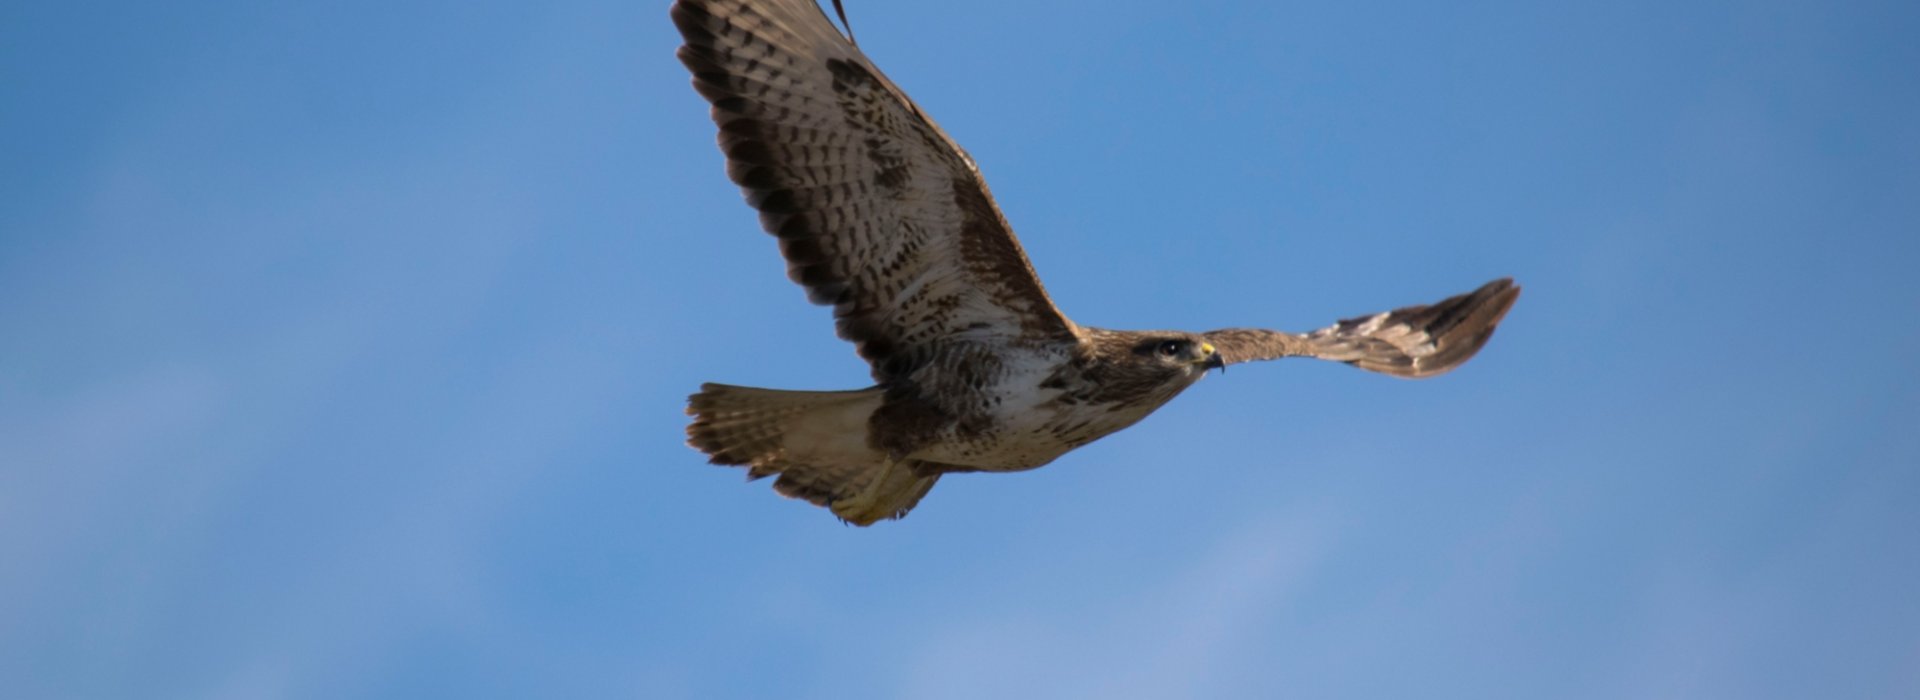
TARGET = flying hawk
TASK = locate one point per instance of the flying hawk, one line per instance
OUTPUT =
(882, 216)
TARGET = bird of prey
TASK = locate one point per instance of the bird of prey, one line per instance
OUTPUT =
(880, 215)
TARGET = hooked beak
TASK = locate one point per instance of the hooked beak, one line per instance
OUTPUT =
(1214, 360)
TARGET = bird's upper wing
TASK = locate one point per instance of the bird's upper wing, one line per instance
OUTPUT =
(1412, 342)
(878, 212)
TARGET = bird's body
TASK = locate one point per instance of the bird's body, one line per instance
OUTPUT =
(1002, 389)
(882, 216)
(1025, 406)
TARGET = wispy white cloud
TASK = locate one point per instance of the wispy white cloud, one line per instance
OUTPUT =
(75, 461)
(269, 293)
(1173, 636)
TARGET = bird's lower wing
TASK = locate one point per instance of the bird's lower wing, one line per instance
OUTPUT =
(1412, 342)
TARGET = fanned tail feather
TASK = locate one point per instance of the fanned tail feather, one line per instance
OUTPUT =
(814, 441)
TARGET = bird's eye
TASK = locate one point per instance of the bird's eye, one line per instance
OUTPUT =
(1170, 348)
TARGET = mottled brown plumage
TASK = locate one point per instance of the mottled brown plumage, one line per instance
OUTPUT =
(1412, 342)
(882, 216)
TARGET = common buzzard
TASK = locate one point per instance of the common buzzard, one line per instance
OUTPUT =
(882, 216)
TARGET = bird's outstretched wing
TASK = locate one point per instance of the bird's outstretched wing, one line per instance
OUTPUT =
(878, 212)
(1412, 342)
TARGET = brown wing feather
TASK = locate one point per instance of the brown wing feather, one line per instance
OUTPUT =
(878, 212)
(1412, 342)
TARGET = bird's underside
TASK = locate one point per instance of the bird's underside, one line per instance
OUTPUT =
(882, 216)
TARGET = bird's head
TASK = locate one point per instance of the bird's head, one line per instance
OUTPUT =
(1152, 365)
(1176, 354)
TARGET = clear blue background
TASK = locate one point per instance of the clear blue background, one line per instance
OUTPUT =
(343, 348)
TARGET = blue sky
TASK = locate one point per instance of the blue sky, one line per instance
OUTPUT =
(346, 346)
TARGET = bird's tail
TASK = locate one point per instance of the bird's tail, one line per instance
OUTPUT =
(815, 441)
